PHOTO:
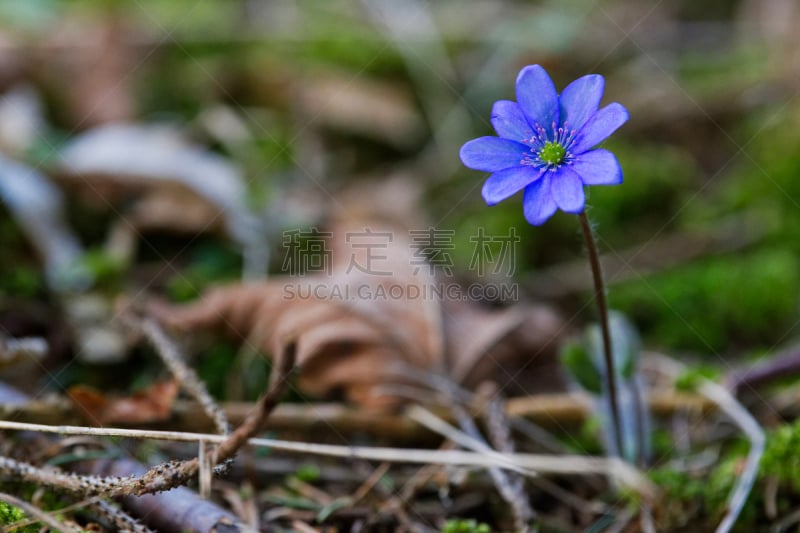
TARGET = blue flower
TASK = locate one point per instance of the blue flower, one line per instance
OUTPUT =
(545, 145)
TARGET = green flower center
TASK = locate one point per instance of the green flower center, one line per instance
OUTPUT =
(552, 153)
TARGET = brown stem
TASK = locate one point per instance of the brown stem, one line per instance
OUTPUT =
(279, 382)
(783, 365)
(602, 311)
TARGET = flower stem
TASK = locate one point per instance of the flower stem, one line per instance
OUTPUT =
(602, 311)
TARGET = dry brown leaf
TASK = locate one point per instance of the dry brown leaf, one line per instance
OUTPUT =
(149, 405)
(158, 180)
(375, 109)
(173, 183)
(514, 347)
(356, 345)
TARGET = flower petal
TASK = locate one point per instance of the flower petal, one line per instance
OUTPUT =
(509, 121)
(598, 167)
(508, 182)
(599, 127)
(491, 154)
(537, 203)
(580, 100)
(537, 97)
(567, 190)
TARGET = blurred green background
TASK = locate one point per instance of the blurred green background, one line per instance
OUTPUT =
(313, 97)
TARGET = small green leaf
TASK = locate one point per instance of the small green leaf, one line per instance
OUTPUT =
(335, 505)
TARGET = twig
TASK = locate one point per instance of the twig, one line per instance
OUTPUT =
(617, 469)
(500, 437)
(783, 365)
(622, 521)
(279, 382)
(122, 520)
(167, 475)
(771, 497)
(574, 408)
(73, 507)
(510, 488)
(456, 393)
(749, 426)
(754, 433)
(646, 520)
(434, 423)
(51, 477)
(545, 409)
(37, 513)
(370, 482)
(786, 522)
(177, 509)
(172, 357)
(419, 479)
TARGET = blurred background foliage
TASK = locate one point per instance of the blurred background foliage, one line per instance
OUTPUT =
(313, 97)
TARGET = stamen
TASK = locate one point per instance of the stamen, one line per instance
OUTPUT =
(549, 151)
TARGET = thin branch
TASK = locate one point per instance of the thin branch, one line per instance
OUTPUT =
(780, 366)
(545, 409)
(279, 382)
(119, 518)
(497, 425)
(456, 393)
(169, 352)
(619, 470)
(369, 483)
(166, 475)
(436, 424)
(510, 487)
(749, 426)
(37, 513)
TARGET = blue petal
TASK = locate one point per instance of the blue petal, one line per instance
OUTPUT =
(567, 190)
(491, 154)
(509, 121)
(537, 203)
(599, 127)
(598, 167)
(507, 183)
(580, 100)
(537, 97)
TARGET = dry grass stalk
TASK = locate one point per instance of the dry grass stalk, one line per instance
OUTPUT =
(622, 472)
(728, 404)
(160, 477)
(38, 514)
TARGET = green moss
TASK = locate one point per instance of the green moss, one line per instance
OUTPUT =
(699, 500)
(10, 514)
(106, 269)
(764, 182)
(651, 194)
(712, 305)
(215, 365)
(690, 378)
(781, 459)
(586, 440)
(456, 525)
(211, 263)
